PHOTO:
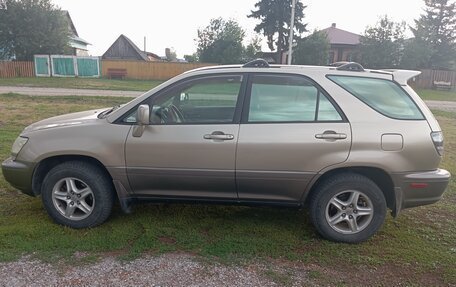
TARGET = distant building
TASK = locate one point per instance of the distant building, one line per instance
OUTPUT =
(344, 44)
(77, 44)
(124, 49)
(270, 57)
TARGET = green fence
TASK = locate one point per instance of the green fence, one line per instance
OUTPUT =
(66, 66)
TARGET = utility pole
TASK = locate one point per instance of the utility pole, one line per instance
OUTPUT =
(290, 48)
(144, 44)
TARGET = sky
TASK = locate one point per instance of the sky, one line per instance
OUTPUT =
(167, 23)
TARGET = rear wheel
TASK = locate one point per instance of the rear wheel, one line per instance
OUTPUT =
(347, 208)
(77, 194)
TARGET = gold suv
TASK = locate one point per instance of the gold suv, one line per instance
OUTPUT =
(345, 142)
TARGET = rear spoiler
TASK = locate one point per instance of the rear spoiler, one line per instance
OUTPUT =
(402, 76)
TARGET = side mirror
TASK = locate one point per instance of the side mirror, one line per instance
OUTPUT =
(184, 97)
(143, 115)
(142, 119)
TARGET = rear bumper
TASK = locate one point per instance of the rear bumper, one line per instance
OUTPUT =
(19, 175)
(416, 189)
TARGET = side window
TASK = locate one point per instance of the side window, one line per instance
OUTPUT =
(326, 110)
(384, 96)
(279, 98)
(204, 100)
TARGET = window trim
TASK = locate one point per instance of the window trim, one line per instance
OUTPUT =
(149, 100)
(248, 95)
(328, 76)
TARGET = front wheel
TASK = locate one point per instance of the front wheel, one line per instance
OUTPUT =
(77, 194)
(347, 208)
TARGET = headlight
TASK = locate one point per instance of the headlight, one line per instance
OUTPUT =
(17, 146)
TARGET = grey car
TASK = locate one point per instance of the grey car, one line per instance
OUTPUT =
(345, 142)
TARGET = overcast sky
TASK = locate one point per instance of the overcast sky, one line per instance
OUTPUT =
(167, 23)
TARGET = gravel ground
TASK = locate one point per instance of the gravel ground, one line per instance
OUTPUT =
(165, 270)
(442, 105)
(36, 91)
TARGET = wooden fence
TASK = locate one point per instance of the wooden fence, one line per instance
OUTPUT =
(164, 70)
(12, 69)
(428, 77)
(149, 70)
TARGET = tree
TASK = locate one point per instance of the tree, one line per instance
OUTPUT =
(312, 50)
(252, 49)
(221, 42)
(29, 27)
(436, 28)
(275, 17)
(191, 58)
(417, 54)
(170, 55)
(382, 45)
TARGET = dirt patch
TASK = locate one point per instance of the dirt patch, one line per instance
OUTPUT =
(167, 240)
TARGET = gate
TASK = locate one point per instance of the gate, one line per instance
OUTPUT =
(88, 67)
(42, 67)
(63, 66)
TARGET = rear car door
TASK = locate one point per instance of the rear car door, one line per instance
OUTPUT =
(189, 148)
(290, 130)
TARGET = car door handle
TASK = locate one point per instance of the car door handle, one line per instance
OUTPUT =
(221, 136)
(331, 135)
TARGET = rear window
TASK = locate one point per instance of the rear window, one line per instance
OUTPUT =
(383, 96)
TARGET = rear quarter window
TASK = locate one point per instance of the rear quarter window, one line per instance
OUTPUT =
(384, 96)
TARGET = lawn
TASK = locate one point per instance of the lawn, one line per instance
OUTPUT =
(81, 83)
(435, 95)
(418, 248)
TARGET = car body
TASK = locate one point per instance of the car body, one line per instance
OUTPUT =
(347, 142)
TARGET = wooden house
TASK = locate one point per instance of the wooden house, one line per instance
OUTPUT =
(77, 44)
(344, 45)
(124, 49)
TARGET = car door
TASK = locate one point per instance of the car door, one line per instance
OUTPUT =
(189, 148)
(290, 130)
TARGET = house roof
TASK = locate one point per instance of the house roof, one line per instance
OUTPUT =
(132, 52)
(80, 40)
(135, 48)
(71, 27)
(153, 55)
(75, 41)
(339, 36)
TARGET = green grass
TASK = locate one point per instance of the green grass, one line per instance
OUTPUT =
(81, 83)
(435, 95)
(418, 248)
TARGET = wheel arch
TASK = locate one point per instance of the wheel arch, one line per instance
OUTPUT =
(380, 177)
(45, 165)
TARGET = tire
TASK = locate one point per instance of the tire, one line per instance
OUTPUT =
(347, 208)
(77, 194)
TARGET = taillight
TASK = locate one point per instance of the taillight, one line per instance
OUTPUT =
(437, 138)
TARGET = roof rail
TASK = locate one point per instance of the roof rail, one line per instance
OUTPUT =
(338, 64)
(348, 66)
(257, 63)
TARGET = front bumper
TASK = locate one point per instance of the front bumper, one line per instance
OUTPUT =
(416, 189)
(19, 175)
